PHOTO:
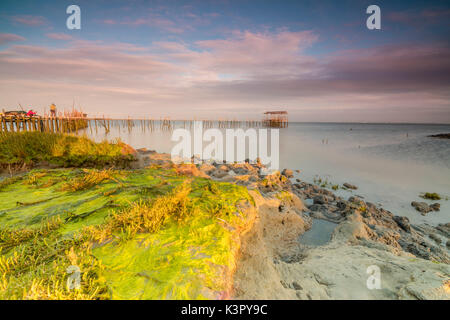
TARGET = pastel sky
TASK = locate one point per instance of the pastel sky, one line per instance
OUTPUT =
(211, 59)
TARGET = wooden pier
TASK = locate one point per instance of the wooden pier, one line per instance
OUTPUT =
(21, 123)
(68, 124)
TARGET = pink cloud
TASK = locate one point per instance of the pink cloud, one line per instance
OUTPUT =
(59, 36)
(162, 23)
(10, 37)
(419, 18)
(246, 71)
(30, 20)
(248, 54)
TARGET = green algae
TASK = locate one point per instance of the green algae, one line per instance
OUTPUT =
(188, 259)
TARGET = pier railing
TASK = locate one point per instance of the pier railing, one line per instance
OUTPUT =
(19, 123)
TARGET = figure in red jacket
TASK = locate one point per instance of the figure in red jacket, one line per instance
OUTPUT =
(31, 113)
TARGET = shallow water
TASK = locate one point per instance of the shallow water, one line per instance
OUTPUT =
(319, 234)
(390, 163)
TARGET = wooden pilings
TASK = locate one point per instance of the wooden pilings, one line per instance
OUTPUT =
(47, 124)
(102, 124)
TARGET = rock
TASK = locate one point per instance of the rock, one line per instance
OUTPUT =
(264, 172)
(296, 286)
(206, 168)
(357, 201)
(448, 244)
(223, 167)
(219, 173)
(435, 206)
(444, 229)
(288, 173)
(189, 169)
(440, 136)
(403, 222)
(343, 204)
(435, 238)
(422, 207)
(145, 151)
(320, 199)
(319, 208)
(350, 186)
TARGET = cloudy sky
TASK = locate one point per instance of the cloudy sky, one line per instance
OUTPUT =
(230, 59)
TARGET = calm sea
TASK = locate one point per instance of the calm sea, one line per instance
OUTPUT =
(392, 164)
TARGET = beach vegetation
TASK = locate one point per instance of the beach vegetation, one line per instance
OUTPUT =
(431, 196)
(29, 148)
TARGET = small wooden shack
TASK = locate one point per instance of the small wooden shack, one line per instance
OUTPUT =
(276, 119)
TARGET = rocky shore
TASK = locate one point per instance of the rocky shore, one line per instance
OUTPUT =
(413, 260)
(440, 136)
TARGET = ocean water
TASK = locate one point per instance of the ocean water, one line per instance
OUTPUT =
(392, 164)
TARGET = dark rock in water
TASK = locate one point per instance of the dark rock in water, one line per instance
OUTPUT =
(448, 244)
(403, 222)
(288, 173)
(350, 186)
(440, 136)
(435, 238)
(435, 206)
(422, 207)
(320, 199)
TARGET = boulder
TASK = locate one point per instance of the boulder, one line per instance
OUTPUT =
(320, 199)
(219, 173)
(206, 168)
(350, 186)
(403, 222)
(435, 206)
(422, 207)
(288, 173)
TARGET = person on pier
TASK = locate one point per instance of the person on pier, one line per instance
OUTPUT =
(53, 111)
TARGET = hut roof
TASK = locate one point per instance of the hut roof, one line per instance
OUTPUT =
(275, 112)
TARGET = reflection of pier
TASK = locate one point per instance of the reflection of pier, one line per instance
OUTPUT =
(276, 119)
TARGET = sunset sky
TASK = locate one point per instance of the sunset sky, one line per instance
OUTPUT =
(230, 59)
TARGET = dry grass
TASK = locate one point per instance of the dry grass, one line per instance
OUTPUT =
(145, 216)
(91, 178)
(21, 148)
